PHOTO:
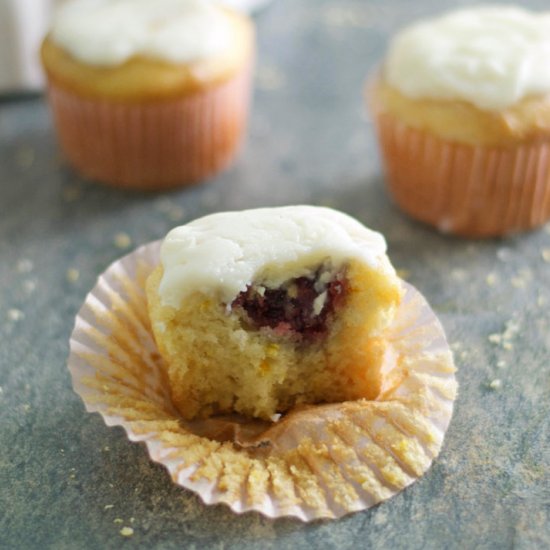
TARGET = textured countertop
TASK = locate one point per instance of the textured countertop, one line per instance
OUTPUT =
(68, 481)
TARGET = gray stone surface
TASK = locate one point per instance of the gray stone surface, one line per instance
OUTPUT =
(67, 481)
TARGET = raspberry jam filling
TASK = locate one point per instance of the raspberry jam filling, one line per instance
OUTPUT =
(301, 307)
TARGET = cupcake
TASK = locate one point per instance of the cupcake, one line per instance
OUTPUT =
(147, 94)
(462, 109)
(270, 360)
(258, 311)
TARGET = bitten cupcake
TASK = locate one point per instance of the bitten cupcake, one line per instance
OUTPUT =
(462, 109)
(149, 94)
(272, 360)
(261, 310)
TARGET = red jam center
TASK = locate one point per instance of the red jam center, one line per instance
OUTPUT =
(291, 309)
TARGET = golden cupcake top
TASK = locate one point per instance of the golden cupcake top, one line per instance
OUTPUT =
(137, 49)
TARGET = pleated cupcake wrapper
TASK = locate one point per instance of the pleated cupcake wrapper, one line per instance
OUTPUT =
(153, 144)
(475, 191)
(314, 462)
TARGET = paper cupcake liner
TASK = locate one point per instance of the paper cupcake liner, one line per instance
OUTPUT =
(315, 462)
(152, 144)
(474, 191)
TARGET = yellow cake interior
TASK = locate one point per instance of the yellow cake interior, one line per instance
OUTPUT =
(142, 78)
(462, 122)
(218, 363)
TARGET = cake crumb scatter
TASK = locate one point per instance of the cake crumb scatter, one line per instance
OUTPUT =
(118, 520)
(108, 506)
(491, 279)
(496, 384)
(504, 339)
(546, 254)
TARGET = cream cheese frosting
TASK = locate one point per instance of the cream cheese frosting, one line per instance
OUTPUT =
(109, 32)
(223, 253)
(490, 56)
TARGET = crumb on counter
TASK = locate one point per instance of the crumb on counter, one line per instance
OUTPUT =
(495, 384)
(70, 194)
(122, 240)
(126, 531)
(25, 265)
(29, 286)
(72, 275)
(15, 315)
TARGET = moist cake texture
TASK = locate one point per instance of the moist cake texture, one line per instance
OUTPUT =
(257, 311)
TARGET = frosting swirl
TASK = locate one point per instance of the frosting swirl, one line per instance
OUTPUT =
(109, 32)
(490, 56)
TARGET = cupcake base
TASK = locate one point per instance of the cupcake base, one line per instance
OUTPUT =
(473, 191)
(315, 462)
(153, 144)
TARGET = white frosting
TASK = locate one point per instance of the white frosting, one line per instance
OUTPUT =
(491, 56)
(109, 32)
(222, 253)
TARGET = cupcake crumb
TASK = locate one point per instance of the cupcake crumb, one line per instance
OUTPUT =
(270, 78)
(504, 339)
(176, 213)
(491, 279)
(504, 254)
(546, 254)
(25, 157)
(15, 315)
(122, 240)
(495, 384)
(522, 279)
(501, 364)
(72, 275)
(118, 520)
(70, 194)
(108, 506)
(126, 531)
(459, 274)
(25, 265)
(29, 286)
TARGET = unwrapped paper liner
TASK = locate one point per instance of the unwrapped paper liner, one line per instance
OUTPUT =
(314, 462)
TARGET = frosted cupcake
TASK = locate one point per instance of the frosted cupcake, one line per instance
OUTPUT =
(258, 311)
(462, 111)
(149, 94)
